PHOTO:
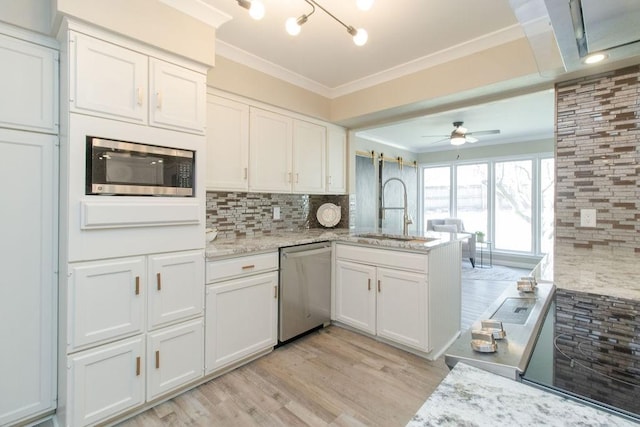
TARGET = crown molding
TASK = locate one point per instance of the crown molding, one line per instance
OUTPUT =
(487, 41)
(200, 10)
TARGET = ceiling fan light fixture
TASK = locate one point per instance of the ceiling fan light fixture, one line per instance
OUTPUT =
(458, 140)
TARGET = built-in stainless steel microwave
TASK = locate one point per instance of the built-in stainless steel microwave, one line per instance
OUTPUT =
(129, 168)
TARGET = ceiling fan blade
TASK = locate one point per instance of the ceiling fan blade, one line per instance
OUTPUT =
(470, 139)
(485, 132)
(434, 136)
(446, 138)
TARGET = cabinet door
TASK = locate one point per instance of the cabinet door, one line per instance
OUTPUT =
(241, 319)
(175, 356)
(355, 295)
(107, 80)
(270, 141)
(227, 144)
(105, 300)
(28, 86)
(402, 307)
(336, 160)
(176, 287)
(177, 97)
(309, 157)
(105, 381)
(28, 287)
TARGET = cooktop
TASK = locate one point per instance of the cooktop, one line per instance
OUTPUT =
(589, 348)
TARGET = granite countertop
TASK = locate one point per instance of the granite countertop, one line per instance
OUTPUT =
(274, 241)
(603, 271)
(469, 396)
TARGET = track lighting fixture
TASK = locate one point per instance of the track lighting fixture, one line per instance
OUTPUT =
(294, 25)
(255, 8)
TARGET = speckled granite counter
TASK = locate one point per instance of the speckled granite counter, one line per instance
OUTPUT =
(469, 397)
(224, 248)
(598, 271)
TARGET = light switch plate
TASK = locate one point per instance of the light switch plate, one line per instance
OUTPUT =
(276, 212)
(587, 217)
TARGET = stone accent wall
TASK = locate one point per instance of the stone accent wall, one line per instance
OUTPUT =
(238, 215)
(598, 347)
(597, 153)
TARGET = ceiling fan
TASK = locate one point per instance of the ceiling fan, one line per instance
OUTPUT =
(461, 135)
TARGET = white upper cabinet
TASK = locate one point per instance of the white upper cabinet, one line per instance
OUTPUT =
(108, 80)
(177, 97)
(28, 85)
(336, 160)
(227, 144)
(112, 81)
(309, 157)
(270, 147)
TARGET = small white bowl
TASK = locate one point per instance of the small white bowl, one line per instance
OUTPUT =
(211, 234)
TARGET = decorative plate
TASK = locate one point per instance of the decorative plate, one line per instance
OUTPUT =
(328, 215)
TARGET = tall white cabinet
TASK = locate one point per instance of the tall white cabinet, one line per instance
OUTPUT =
(131, 286)
(28, 226)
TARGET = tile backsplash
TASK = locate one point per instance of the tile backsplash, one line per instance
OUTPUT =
(597, 159)
(237, 214)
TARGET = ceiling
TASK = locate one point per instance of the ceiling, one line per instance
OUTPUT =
(406, 36)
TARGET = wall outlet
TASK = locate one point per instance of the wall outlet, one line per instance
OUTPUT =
(587, 217)
(276, 212)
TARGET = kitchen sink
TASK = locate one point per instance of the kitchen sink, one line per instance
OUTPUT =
(408, 239)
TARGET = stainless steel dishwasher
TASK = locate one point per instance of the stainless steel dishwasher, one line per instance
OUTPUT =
(305, 288)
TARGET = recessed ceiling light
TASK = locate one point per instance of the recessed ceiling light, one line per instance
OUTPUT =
(594, 58)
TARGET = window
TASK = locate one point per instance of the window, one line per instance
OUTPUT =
(437, 192)
(472, 196)
(513, 208)
(509, 199)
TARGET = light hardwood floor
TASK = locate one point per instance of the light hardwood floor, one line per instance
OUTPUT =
(332, 377)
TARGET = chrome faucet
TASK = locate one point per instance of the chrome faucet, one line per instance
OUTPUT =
(406, 220)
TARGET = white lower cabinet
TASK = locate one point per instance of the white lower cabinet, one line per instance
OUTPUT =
(105, 381)
(391, 303)
(242, 311)
(107, 302)
(175, 287)
(174, 357)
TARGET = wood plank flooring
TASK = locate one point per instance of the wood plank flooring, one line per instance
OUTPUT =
(332, 377)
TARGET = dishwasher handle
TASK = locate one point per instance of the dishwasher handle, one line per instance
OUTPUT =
(293, 255)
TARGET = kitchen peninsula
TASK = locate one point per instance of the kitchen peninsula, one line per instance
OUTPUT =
(391, 287)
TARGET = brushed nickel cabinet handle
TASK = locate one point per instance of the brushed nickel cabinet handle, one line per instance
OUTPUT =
(378, 285)
(139, 95)
(157, 359)
(137, 285)
(248, 267)
(275, 292)
(369, 285)
(159, 100)
(297, 178)
(159, 281)
(138, 366)
(246, 173)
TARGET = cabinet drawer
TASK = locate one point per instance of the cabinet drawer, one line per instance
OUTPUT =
(383, 258)
(226, 268)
